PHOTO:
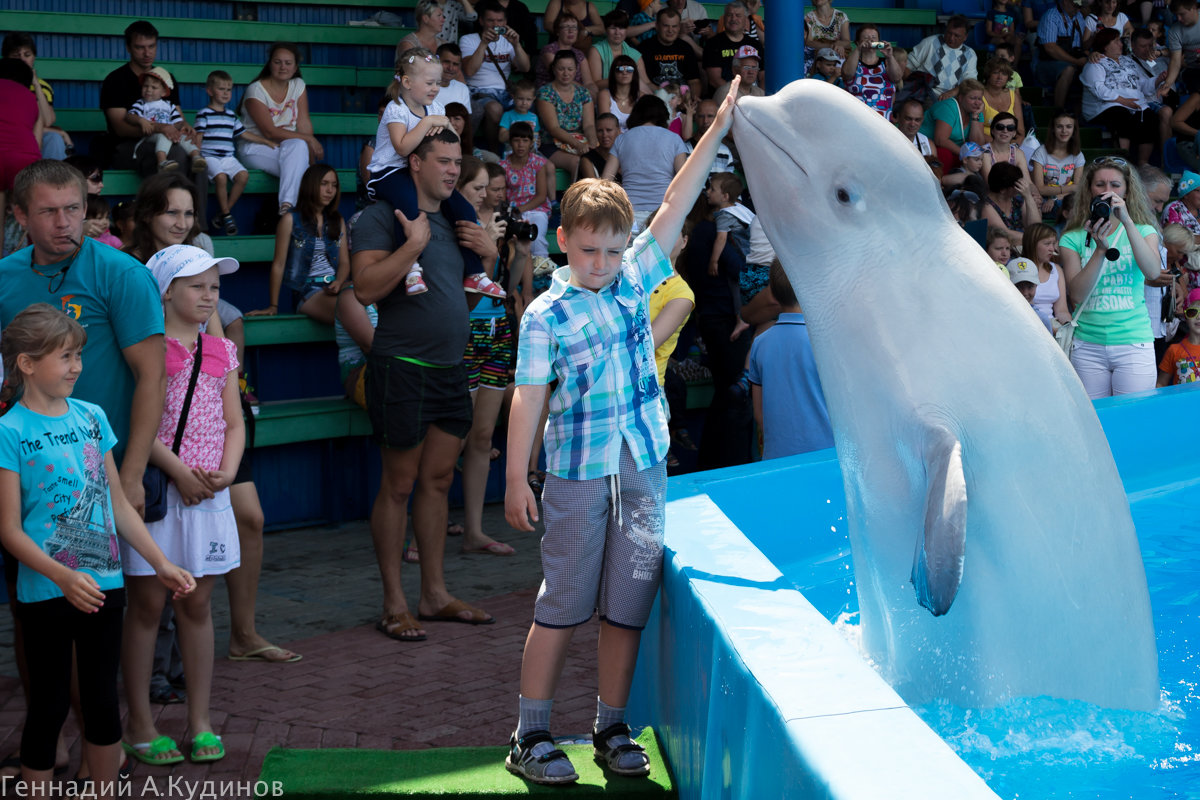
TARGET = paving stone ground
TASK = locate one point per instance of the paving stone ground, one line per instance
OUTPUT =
(320, 595)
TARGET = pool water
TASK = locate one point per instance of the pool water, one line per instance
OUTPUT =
(1034, 747)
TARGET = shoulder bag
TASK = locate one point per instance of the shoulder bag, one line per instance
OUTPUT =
(154, 480)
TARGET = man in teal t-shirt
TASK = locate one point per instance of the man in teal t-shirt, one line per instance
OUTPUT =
(112, 295)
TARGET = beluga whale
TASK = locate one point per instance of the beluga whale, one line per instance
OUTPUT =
(994, 553)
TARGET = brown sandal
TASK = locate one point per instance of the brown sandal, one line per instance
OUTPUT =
(394, 626)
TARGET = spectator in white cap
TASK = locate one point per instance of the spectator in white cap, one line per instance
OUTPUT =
(827, 67)
(184, 261)
(721, 48)
(748, 64)
(155, 110)
(199, 445)
(1024, 275)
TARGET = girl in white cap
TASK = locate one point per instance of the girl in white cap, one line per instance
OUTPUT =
(199, 445)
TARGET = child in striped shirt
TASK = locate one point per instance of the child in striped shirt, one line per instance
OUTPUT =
(216, 128)
(154, 109)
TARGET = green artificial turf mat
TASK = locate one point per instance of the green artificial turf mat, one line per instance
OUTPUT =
(448, 772)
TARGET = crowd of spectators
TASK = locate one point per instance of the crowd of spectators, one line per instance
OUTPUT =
(624, 96)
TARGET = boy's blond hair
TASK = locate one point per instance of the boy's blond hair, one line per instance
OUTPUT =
(598, 205)
(217, 76)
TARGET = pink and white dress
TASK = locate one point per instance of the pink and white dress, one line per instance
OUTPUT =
(202, 538)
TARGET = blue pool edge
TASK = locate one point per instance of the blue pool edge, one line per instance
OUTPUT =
(757, 695)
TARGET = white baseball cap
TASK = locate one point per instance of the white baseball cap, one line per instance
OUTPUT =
(182, 261)
(1022, 270)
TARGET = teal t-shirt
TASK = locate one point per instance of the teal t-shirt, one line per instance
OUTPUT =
(116, 300)
(1116, 311)
(946, 111)
(66, 507)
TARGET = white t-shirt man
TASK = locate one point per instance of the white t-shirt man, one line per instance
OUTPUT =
(488, 76)
(455, 92)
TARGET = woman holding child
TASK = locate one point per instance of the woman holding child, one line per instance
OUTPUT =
(276, 108)
(1113, 350)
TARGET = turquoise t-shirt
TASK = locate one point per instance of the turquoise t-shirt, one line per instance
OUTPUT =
(946, 111)
(1116, 311)
(66, 507)
(116, 300)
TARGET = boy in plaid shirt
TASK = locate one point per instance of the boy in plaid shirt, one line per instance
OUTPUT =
(606, 445)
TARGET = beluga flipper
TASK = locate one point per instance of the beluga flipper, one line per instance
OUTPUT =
(938, 565)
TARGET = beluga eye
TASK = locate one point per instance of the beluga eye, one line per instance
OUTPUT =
(843, 196)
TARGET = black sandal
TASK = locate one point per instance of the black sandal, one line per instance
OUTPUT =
(537, 480)
(521, 760)
(611, 756)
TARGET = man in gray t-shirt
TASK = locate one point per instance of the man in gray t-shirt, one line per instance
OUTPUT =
(647, 155)
(416, 383)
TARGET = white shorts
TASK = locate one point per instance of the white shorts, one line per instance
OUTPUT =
(223, 165)
(203, 538)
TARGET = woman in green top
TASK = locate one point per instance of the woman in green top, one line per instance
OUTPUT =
(1113, 350)
(950, 122)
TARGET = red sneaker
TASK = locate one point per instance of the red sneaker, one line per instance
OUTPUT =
(482, 284)
(415, 284)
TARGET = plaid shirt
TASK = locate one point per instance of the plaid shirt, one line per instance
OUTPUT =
(599, 347)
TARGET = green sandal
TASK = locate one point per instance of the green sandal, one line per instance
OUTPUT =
(148, 752)
(203, 740)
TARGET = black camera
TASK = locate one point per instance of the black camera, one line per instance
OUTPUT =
(518, 228)
(1100, 210)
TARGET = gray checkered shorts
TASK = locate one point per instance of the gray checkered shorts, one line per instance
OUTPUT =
(602, 550)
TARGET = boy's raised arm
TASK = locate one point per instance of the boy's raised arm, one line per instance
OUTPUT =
(686, 185)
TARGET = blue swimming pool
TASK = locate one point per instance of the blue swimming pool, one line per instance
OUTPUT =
(758, 553)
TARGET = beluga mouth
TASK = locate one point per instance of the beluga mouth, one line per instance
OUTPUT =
(745, 115)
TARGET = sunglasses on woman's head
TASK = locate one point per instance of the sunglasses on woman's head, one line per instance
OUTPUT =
(1004, 127)
(1113, 161)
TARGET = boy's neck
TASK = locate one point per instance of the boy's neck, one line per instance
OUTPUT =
(725, 204)
(213, 105)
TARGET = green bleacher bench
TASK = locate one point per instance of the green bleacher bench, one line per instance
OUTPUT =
(324, 124)
(220, 30)
(95, 69)
(390, 5)
(880, 16)
(246, 249)
(313, 419)
(282, 328)
(118, 182)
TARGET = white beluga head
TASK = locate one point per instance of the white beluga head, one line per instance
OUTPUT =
(947, 395)
(845, 176)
